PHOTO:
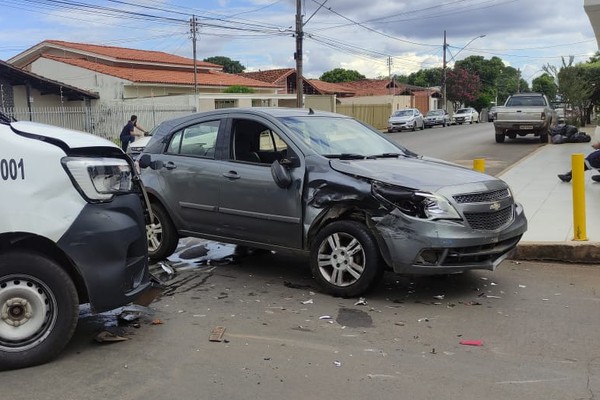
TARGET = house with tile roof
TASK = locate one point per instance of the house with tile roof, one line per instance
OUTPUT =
(119, 74)
(23, 89)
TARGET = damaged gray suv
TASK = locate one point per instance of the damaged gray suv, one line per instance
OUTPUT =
(328, 186)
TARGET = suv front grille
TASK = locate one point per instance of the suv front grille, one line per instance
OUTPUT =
(490, 221)
(482, 197)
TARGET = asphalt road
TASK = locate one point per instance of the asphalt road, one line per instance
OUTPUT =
(536, 323)
(462, 144)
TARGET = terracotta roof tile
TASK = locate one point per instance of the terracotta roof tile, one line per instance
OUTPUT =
(270, 76)
(330, 88)
(173, 77)
(125, 54)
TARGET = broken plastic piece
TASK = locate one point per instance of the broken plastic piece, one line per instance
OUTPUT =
(361, 302)
(439, 297)
(309, 301)
(325, 317)
(156, 322)
(471, 342)
(337, 363)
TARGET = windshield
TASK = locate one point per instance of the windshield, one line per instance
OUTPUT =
(403, 113)
(435, 112)
(341, 136)
(463, 111)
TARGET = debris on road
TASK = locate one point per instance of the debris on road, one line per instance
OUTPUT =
(216, 335)
(439, 297)
(108, 337)
(361, 302)
(156, 322)
(471, 342)
(325, 317)
(337, 363)
(309, 301)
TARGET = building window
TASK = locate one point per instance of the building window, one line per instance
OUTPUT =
(225, 104)
(261, 103)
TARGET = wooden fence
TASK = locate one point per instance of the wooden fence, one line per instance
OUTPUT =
(102, 120)
(376, 115)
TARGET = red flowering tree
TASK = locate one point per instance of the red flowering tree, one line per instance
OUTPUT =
(462, 87)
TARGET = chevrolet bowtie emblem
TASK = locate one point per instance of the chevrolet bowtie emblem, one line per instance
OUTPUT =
(495, 206)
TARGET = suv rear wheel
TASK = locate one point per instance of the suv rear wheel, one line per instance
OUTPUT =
(345, 259)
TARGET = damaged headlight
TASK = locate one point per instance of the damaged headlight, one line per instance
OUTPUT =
(99, 179)
(415, 203)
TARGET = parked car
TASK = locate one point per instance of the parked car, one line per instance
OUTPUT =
(492, 114)
(465, 115)
(137, 146)
(525, 114)
(436, 117)
(327, 186)
(406, 119)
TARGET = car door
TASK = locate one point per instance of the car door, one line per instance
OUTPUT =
(191, 176)
(252, 207)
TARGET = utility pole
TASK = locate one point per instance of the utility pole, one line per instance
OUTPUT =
(445, 101)
(518, 80)
(298, 55)
(194, 31)
(392, 84)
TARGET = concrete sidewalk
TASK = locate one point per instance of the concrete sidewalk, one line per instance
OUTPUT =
(548, 205)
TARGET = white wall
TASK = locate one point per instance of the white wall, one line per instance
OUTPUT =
(38, 100)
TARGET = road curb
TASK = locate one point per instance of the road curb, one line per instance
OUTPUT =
(575, 252)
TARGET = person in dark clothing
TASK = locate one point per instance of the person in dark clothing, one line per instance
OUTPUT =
(592, 161)
(128, 132)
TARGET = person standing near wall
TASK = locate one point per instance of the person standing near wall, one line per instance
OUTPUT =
(128, 133)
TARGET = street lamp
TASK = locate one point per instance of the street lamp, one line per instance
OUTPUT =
(453, 57)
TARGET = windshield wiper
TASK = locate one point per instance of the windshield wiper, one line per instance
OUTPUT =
(346, 156)
(387, 155)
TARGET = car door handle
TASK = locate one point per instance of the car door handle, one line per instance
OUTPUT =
(170, 165)
(231, 175)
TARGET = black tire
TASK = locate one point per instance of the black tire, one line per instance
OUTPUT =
(544, 137)
(39, 309)
(331, 245)
(390, 130)
(414, 127)
(499, 137)
(162, 235)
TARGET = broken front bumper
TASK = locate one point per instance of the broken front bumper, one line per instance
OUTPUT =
(413, 246)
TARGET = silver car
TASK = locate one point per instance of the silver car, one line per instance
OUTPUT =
(406, 119)
(327, 186)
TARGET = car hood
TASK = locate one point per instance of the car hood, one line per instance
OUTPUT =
(415, 173)
(73, 139)
(141, 142)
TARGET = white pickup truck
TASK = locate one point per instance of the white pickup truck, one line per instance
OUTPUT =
(525, 114)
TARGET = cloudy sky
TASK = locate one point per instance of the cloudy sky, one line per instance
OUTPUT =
(354, 34)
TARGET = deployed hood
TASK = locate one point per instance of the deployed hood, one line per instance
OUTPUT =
(416, 173)
(71, 138)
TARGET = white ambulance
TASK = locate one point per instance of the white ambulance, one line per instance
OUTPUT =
(72, 231)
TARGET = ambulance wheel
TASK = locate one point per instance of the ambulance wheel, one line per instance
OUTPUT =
(39, 309)
(162, 235)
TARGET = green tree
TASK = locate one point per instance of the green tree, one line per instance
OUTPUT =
(545, 84)
(575, 90)
(238, 89)
(426, 77)
(230, 66)
(341, 75)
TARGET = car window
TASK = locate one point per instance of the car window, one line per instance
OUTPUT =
(195, 140)
(403, 113)
(254, 142)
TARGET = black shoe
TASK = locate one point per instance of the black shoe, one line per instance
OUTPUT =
(565, 177)
(596, 178)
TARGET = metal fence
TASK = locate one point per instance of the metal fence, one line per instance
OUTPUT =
(376, 115)
(102, 120)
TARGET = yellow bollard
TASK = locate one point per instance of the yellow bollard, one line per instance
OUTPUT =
(479, 164)
(579, 231)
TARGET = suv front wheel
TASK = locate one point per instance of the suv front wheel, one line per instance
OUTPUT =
(345, 259)
(161, 233)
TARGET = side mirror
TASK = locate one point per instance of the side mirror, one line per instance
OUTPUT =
(145, 161)
(281, 173)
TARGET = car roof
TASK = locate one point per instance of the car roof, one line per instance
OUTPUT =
(532, 94)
